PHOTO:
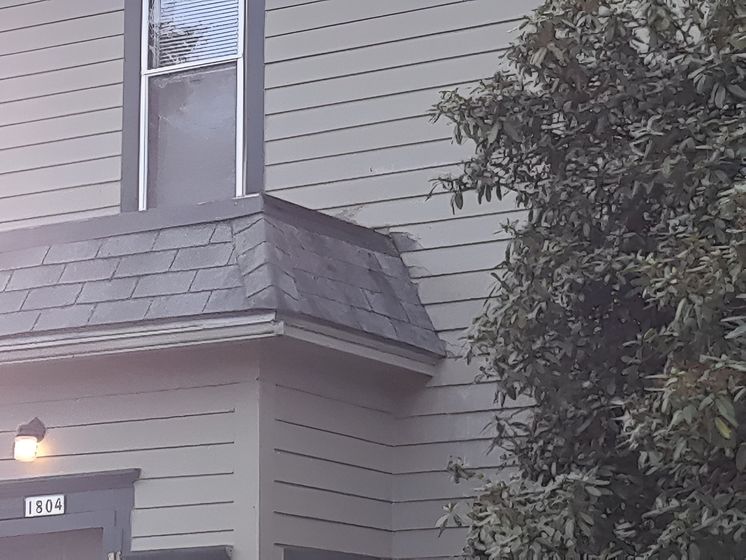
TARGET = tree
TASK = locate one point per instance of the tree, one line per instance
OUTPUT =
(620, 308)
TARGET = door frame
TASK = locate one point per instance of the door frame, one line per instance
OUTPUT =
(101, 500)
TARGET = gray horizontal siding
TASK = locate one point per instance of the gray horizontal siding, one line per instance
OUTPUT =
(290, 37)
(381, 83)
(348, 88)
(171, 415)
(480, 38)
(337, 12)
(356, 461)
(60, 110)
(348, 84)
(332, 463)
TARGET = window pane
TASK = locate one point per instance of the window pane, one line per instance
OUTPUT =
(192, 136)
(192, 30)
(82, 545)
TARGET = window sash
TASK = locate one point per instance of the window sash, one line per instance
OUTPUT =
(146, 73)
(201, 29)
(195, 65)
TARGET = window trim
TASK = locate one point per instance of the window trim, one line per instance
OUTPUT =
(147, 74)
(250, 147)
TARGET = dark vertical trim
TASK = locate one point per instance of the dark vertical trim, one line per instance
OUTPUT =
(254, 97)
(131, 106)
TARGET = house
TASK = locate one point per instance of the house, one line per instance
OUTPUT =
(229, 321)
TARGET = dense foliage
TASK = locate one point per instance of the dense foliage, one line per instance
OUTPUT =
(620, 310)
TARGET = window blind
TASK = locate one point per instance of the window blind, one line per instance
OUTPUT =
(184, 31)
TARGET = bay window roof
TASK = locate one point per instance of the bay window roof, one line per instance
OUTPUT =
(231, 258)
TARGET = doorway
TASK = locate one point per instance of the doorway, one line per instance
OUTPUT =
(70, 545)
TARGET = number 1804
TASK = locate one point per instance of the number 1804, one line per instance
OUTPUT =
(39, 506)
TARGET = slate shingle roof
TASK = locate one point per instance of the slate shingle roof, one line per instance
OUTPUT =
(277, 258)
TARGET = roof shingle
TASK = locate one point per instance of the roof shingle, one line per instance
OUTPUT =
(281, 257)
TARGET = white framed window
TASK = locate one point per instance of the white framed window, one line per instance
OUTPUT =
(191, 101)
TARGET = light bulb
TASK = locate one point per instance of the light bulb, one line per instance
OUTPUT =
(25, 448)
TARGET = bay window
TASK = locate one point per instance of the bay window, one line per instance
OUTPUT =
(191, 145)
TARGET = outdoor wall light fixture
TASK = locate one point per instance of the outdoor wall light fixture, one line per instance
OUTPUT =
(27, 440)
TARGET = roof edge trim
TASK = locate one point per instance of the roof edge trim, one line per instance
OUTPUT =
(202, 331)
(138, 337)
(348, 343)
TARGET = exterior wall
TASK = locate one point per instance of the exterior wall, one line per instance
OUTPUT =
(189, 426)
(348, 84)
(60, 109)
(330, 461)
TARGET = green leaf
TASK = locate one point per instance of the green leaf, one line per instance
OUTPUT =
(719, 96)
(458, 200)
(622, 143)
(538, 57)
(494, 131)
(737, 332)
(723, 428)
(727, 410)
(737, 90)
(741, 458)
(511, 129)
(680, 447)
(689, 413)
